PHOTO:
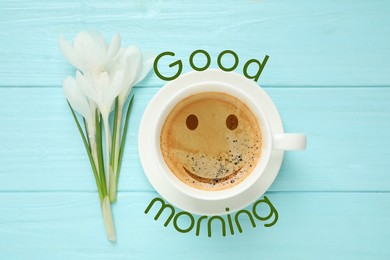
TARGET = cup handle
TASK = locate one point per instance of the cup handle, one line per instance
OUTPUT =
(289, 142)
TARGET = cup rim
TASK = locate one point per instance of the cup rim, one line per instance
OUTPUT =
(224, 86)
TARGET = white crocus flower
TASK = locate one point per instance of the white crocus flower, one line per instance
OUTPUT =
(90, 52)
(86, 108)
(98, 77)
(77, 100)
(102, 89)
(138, 66)
(105, 72)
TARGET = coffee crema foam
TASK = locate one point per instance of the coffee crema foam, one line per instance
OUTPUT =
(211, 141)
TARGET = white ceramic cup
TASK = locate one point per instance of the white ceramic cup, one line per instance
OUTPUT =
(241, 88)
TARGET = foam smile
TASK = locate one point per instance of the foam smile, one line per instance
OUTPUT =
(211, 180)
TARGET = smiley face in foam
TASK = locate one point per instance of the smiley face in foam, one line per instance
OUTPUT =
(211, 141)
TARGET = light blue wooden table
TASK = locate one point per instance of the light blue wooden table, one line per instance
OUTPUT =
(328, 73)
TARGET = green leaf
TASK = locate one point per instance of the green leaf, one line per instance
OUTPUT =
(122, 147)
(114, 136)
(86, 131)
(86, 145)
(99, 148)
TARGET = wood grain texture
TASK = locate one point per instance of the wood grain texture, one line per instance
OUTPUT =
(347, 131)
(69, 226)
(321, 43)
(328, 74)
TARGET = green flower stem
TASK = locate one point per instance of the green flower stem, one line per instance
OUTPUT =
(115, 141)
(107, 218)
(112, 190)
(114, 156)
(114, 165)
(118, 146)
(116, 133)
(87, 132)
(94, 152)
(105, 200)
(123, 139)
(99, 148)
(95, 171)
(107, 134)
(91, 134)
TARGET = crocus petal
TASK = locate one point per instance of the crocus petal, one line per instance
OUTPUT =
(69, 53)
(102, 87)
(118, 83)
(106, 71)
(147, 64)
(113, 47)
(99, 41)
(131, 60)
(76, 98)
(104, 90)
(92, 107)
(87, 87)
(86, 48)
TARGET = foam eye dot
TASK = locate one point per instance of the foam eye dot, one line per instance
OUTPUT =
(192, 122)
(231, 122)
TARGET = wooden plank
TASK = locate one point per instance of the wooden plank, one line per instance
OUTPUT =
(322, 43)
(348, 141)
(310, 226)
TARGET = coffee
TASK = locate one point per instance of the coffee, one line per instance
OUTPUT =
(211, 141)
